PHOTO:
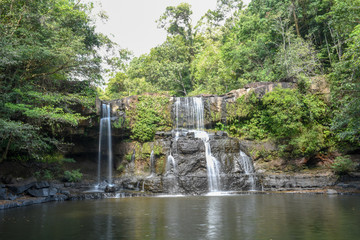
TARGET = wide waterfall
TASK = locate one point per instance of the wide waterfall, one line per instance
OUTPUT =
(105, 143)
(189, 117)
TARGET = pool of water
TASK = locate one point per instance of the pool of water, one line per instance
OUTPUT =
(253, 216)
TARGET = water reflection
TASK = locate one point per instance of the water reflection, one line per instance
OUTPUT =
(205, 217)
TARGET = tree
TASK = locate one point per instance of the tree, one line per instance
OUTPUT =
(177, 21)
(346, 92)
(49, 65)
(166, 67)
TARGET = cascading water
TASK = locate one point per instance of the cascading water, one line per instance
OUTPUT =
(152, 163)
(189, 117)
(248, 168)
(170, 164)
(212, 164)
(105, 143)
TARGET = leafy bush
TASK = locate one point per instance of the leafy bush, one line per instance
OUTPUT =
(299, 123)
(73, 175)
(148, 116)
(343, 165)
(44, 175)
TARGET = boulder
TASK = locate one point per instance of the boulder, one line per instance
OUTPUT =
(21, 187)
(42, 192)
(42, 184)
(3, 194)
(110, 188)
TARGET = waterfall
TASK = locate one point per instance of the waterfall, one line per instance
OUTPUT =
(212, 164)
(170, 164)
(189, 113)
(189, 117)
(247, 166)
(105, 144)
(152, 163)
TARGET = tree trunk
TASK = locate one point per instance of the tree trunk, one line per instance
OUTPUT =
(4, 156)
(295, 19)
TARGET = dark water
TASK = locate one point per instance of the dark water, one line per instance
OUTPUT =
(205, 217)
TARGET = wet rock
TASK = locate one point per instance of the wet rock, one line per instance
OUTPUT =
(52, 191)
(110, 188)
(42, 184)
(21, 187)
(331, 191)
(303, 181)
(221, 134)
(3, 194)
(44, 192)
(189, 146)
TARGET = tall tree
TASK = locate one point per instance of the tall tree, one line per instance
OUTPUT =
(49, 61)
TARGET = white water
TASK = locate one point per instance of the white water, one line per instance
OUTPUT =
(190, 118)
(248, 168)
(212, 164)
(170, 164)
(152, 163)
(105, 143)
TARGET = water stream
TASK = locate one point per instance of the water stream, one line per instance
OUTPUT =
(105, 143)
(189, 117)
(248, 168)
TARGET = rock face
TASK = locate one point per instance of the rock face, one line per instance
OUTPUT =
(188, 174)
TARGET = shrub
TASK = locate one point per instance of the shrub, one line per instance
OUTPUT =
(343, 165)
(73, 175)
(150, 114)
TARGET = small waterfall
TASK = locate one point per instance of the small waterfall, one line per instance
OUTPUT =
(189, 117)
(170, 164)
(152, 163)
(105, 143)
(212, 164)
(248, 168)
(143, 186)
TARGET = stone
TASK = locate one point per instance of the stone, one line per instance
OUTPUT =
(52, 191)
(189, 146)
(65, 192)
(331, 191)
(3, 195)
(21, 187)
(42, 184)
(43, 192)
(110, 188)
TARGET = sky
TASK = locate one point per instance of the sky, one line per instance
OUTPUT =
(132, 23)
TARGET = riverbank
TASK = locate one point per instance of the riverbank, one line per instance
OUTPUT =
(28, 192)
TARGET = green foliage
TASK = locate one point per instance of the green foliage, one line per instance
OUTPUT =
(209, 71)
(48, 68)
(177, 21)
(298, 123)
(167, 67)
(150, 114)
(44, 175)
(346, 93)
(128, 157)
(56, 158)
(18, 138)
(121, 86)
(343, 165)
(73, 175)
(120, 168)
